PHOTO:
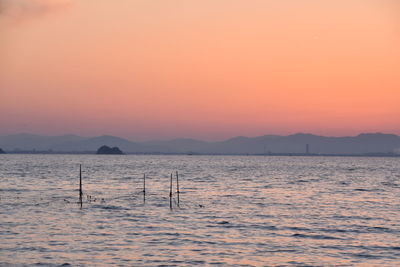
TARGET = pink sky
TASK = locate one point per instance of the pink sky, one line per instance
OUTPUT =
(207, 69)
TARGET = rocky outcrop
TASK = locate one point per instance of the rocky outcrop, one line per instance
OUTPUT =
(2, 151)
(106, 150)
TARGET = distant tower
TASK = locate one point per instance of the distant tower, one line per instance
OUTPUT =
(307, 149)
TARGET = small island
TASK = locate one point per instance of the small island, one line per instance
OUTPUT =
(2, 151)
(106, 150)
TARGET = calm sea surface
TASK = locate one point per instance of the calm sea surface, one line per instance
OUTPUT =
(233, 210)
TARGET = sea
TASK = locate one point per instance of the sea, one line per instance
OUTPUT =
(230, 210)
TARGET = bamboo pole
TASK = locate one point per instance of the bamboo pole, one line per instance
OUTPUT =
(144, 183)
(170, 193)
(144, 187)
(177, 186)
(80, 184)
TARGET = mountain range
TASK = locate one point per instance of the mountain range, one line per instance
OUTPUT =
(366, 143)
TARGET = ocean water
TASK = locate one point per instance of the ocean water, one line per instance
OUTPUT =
(233, 211)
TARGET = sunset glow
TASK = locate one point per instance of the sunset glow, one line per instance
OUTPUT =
(201, 69)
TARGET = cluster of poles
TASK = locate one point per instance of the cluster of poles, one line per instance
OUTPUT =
(144, 188)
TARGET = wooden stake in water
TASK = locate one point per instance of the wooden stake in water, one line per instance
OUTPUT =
(144, 187)
(80, 184)
(170, 193)
(177, 185)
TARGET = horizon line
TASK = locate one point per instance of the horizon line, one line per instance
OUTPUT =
(189, 138)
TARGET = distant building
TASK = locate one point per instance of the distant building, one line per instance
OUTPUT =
(307, 149)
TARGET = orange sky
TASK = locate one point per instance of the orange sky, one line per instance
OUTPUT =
(209, 69)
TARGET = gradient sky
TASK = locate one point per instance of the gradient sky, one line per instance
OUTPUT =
(209, 69)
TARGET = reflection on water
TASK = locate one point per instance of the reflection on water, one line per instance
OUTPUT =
(233, 210)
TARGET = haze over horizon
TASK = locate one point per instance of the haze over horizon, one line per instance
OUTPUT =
(208, 70)
(363, 144)
(198, 139)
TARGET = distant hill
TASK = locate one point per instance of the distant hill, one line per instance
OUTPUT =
(25, 141)
(93, 143)
(106, 150)
(268, 144)
(361, 144)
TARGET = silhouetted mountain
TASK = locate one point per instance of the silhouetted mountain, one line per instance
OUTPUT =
(25, 141)
(93, 143)
(361, 144)
(2, 151)
(106, 150)
(296, 143)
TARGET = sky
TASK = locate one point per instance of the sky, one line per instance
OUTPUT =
(210, 69)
